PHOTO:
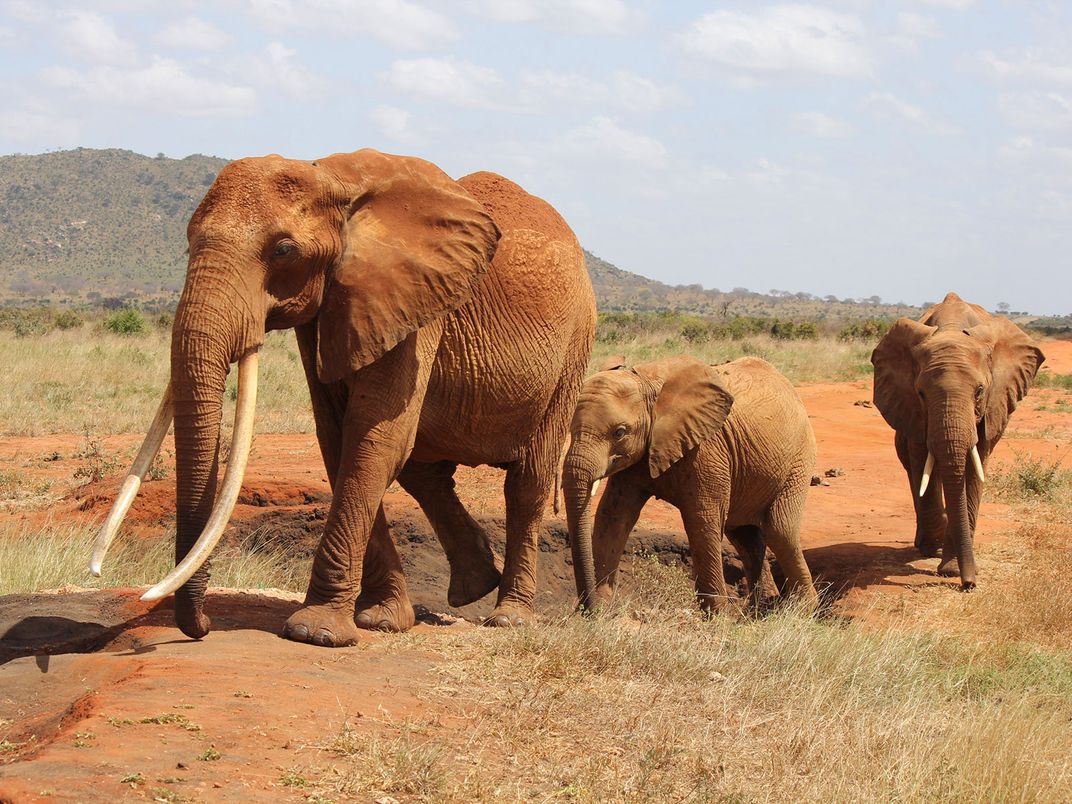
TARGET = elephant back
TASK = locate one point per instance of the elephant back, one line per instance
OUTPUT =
(512, 208)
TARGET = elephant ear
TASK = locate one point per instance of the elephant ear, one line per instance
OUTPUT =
(690, 408)
(613, 362)
(895, 375)
(414, 247)
(1016, 361)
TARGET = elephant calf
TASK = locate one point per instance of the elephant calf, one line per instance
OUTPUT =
(729, 445)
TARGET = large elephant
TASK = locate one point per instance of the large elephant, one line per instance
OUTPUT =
(439, 322)
(947, 385)
(730, 446)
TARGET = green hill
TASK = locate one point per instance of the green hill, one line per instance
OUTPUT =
(87, 225)
(75, 224)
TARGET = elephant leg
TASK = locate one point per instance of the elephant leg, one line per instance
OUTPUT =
(528, 486)
(750, 545)
(378, 430)
(616, 516)
(704, 529)
(527, 489)
(782, 531)
(383, 604)
(472, 564)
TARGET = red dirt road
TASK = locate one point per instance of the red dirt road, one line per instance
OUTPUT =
(96, 687)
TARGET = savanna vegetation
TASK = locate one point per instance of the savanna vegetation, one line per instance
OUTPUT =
(948, 696)
(952, 697)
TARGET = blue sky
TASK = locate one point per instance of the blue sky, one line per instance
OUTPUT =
(845, 147)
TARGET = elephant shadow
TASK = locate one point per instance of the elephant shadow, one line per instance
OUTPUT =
(104, 621)
(840, 568)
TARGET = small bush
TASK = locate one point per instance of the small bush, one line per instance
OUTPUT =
(1031, 477)
(68, 319)
(869, 329)
(164, 321)
(127, 321)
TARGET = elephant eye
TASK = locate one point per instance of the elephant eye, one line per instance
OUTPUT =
(619, 432)
(284, 248)
(979, 392)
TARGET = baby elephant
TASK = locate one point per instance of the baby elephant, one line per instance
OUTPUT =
(729, 445)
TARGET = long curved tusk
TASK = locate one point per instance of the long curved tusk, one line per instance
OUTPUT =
(132, 482)
(595, 487)
(928, 467)
(241, 440)
(977, 462)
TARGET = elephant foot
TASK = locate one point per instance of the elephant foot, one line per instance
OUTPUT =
(928, 548)
(394, 615)
(508, 617)
(470, 583)
(949, 568)
(192, 621)
(328, 626)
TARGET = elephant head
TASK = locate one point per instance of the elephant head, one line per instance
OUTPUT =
(951, 388)
(652, 414)
(365, 247)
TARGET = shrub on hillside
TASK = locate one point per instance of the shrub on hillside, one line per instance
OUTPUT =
(127, 321)
(868, 329)
(68, 319)
(26, 321)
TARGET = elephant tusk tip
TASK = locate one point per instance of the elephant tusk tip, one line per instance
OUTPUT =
(95, 570)
(151, 596)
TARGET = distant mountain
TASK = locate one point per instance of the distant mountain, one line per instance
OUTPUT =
(86, 225)
(75, 223)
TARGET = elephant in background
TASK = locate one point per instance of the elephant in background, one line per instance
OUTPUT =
(730, 446)
(439, 322)
(947, 384)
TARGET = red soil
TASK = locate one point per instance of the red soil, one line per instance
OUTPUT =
(86, 662)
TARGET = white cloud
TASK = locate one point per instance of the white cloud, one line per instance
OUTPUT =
(399, 23)
(193, 33)
(888, 105)
(821, 124)
(917, 26)
(91, 37)
(395, 124)
(25, 10)
(958, 5)
(1038, 111)
(573, 16)
(38, 127)
(1030, 67)
(456, 82)
(605, 138)
(789, 39)
(622, 89)
(767, 171)
(164, 87)
(279, 70)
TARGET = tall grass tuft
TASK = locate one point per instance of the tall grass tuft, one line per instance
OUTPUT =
(51, 556)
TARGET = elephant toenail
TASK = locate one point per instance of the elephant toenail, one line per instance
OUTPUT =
(324, 639)
(298, 633)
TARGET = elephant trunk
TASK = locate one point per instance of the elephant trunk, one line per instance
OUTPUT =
(208, 334)
(578, 486)
(953, 439)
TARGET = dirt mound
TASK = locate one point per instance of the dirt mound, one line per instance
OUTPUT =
(148, 711)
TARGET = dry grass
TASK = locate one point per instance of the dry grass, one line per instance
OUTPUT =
(74, 381)
(104, 384)
(823, 360)
(48, 557)
(663, 706)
